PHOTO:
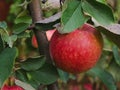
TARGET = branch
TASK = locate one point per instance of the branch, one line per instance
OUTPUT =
(43, 44)
(35, 10)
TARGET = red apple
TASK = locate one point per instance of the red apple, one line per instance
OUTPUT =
(88, 86)
(14, 87)
(77, 51)
(34, 42)
(49, 34)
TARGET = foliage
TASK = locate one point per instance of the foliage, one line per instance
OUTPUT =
(18, 58)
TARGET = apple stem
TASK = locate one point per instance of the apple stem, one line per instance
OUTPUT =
(36, 12)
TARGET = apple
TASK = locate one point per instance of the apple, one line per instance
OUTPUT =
(88, 86)
(34, 42)
(49, 34)
(14, 87)
(4, 9)
(77, 51)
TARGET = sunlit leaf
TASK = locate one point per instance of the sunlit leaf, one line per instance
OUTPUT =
(23, 19)
(13, 38)
(7, 39)
(3, 25)
(102, 1)
(18, 28)
(72, 17)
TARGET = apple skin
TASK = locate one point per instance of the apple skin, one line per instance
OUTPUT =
(49, 34)
(77, 51)
(34, 42)
(88, 86)
(14, 87)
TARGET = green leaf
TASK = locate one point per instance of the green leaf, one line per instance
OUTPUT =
(24, 85)
(13, 38)
(18, 28)
(114, 69)
(116, 54)
(32, 64)
(45, 75)
(1, 44)
(101, 12)
(5, 34)
(102, 1)
(7, 39)
(112, 34)
(22, 75)
(64, 76)
(72, 17)
(114, 28)
(23, 19)
(3, 25)
(7, 59)
(104, 76)
(33, 83)
(107, 45)
(103, 61)
(48, 23)
(23, 35)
